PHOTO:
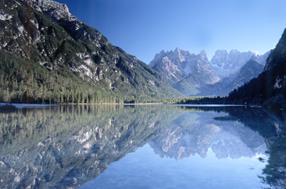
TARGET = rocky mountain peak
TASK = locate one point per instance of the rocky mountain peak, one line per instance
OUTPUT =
(219, 57)
(180, 66)
(54, 9)
(181, 54)
(203, 55)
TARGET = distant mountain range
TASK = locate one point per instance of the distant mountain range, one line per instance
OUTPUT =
(226, 63)
(48, 55)
(194, 74)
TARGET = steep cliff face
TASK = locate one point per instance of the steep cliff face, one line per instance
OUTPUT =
(269, 87)
(60, 54)
(186, 72)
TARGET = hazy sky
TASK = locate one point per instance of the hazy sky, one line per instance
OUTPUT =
(145, 27)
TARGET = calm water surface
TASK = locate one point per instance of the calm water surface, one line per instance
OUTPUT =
(117, 147)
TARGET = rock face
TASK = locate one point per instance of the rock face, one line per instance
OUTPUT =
(66, 57)
(185, 71)
(269, 87)
(55, 9)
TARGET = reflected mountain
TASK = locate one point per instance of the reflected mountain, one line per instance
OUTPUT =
(66, 146)
(196, 133)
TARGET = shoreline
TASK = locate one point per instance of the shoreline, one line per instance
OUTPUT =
(33, 105)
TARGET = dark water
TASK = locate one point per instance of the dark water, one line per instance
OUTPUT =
(95, 147)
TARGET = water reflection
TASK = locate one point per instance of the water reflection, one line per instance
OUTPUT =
(66, 146)
(196, 133)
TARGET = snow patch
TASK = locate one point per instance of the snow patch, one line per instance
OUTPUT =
(83, 69)
(34, 23)
(5, 17)
(86, 71)
(88, 61)
(80, 55)
(4, 44)
(151, 82)
(17, 178)
(87, 146)
(83, 137)
(86, 58)
(40, 144)
(21, 29)
(77, 27)
(2, 164)
(278, 83)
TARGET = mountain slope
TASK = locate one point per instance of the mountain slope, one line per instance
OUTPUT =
(269, 88)
(49, 55)
(249, 71)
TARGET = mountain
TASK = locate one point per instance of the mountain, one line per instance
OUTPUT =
(170, 64)
(249, 71)
(48, 55)
(186, 72)
(262, 59)
(269, 88)
(194, 74)
(227, 63)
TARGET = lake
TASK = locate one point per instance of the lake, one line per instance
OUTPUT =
(148, 147)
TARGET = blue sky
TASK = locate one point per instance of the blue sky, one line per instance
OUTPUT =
(145, 27)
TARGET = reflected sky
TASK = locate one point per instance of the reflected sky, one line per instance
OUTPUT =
(141, 147)
(145, 169)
